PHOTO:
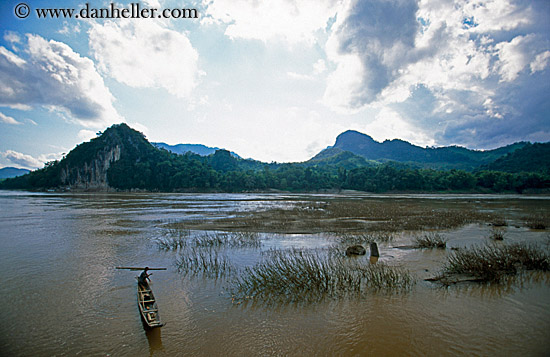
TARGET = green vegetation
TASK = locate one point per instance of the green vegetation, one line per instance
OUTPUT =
(182, 238)
(301, 276)
(493, 262)
(207, 262)
(530, 158)
(357, 221)
(497, 233)
(122, 159)
(441, 158)
(537, 221)
(430, 240)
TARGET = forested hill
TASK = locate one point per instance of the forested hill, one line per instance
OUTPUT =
(452, 157)
(530, 158)
(199, 149)
(122, 159)
(8, 172)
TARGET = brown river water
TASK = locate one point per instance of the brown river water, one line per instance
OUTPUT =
(62, 296)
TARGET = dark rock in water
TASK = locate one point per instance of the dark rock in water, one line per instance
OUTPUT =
(356, 250)
(374, 250)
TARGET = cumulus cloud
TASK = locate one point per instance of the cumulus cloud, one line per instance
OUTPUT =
(291, 21)
(389, 124)
(8, 120)
(144, 54)
(22, 160)
(12, 37)
(482, 66)
(541, 62)
(371, 40)
(52, 75)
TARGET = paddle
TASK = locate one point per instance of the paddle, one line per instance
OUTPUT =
(138, 268)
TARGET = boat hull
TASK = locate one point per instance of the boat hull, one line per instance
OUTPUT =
(147, 306)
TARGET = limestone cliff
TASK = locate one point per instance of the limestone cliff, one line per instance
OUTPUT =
(93, 174)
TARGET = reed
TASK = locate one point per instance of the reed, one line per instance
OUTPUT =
(208, 262)
(430, 240)
(497, 233)
(175, 239)
(499, 222)
(231, 240)
(493, 262)
(178, 239)
(366, 238)
(301, 276)
(537, 221)
(352, 216)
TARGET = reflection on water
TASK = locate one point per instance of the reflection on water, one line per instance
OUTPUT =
(155, 340)
(62, 295)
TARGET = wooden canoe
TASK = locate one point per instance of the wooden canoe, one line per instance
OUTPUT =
(148, 308)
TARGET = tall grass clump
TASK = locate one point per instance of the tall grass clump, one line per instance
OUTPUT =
(174, 240)
(366, 238)
(208, 262)
(230, 240)
(299, 276)
(493, 262)
(430, 240)
(537, 221)
(497, 233)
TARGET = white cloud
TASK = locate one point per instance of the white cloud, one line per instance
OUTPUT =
(513, 57)
(54, 76)
(299, 76)
(480, 65)
(370, 41)
(291, 21)
(67, 29)
(8, 120)
(495, 15)
(12, 37)
(152, 3)
(319, 67)
(143, 54)
(86, 135)
(22, 160)
(541, 62)
(389, 124)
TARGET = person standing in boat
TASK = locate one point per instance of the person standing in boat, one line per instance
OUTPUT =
(143, 277)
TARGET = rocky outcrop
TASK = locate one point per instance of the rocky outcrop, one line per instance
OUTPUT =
(356, 250)
(91, 175)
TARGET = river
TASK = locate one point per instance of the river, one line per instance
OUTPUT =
(61, 294)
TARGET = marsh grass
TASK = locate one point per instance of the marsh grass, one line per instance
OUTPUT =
(497, 233)
(499, 222)
(493, 262)
(366, 238)
(207, 262)
(352, 216)
(302, 276)
(537, 221)
(231, 240)
(179, 239)
(430, 240)
(174, 239)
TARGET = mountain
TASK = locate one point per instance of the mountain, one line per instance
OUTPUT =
(8, 172)
(530, 158)
(339, 158)
(122, 159)
(451, 157)
(198, 149)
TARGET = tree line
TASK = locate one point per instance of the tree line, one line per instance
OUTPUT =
(142, 166)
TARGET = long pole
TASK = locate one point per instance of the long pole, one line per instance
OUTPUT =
(138, 268)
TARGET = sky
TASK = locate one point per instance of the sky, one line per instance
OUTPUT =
(274, 80)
